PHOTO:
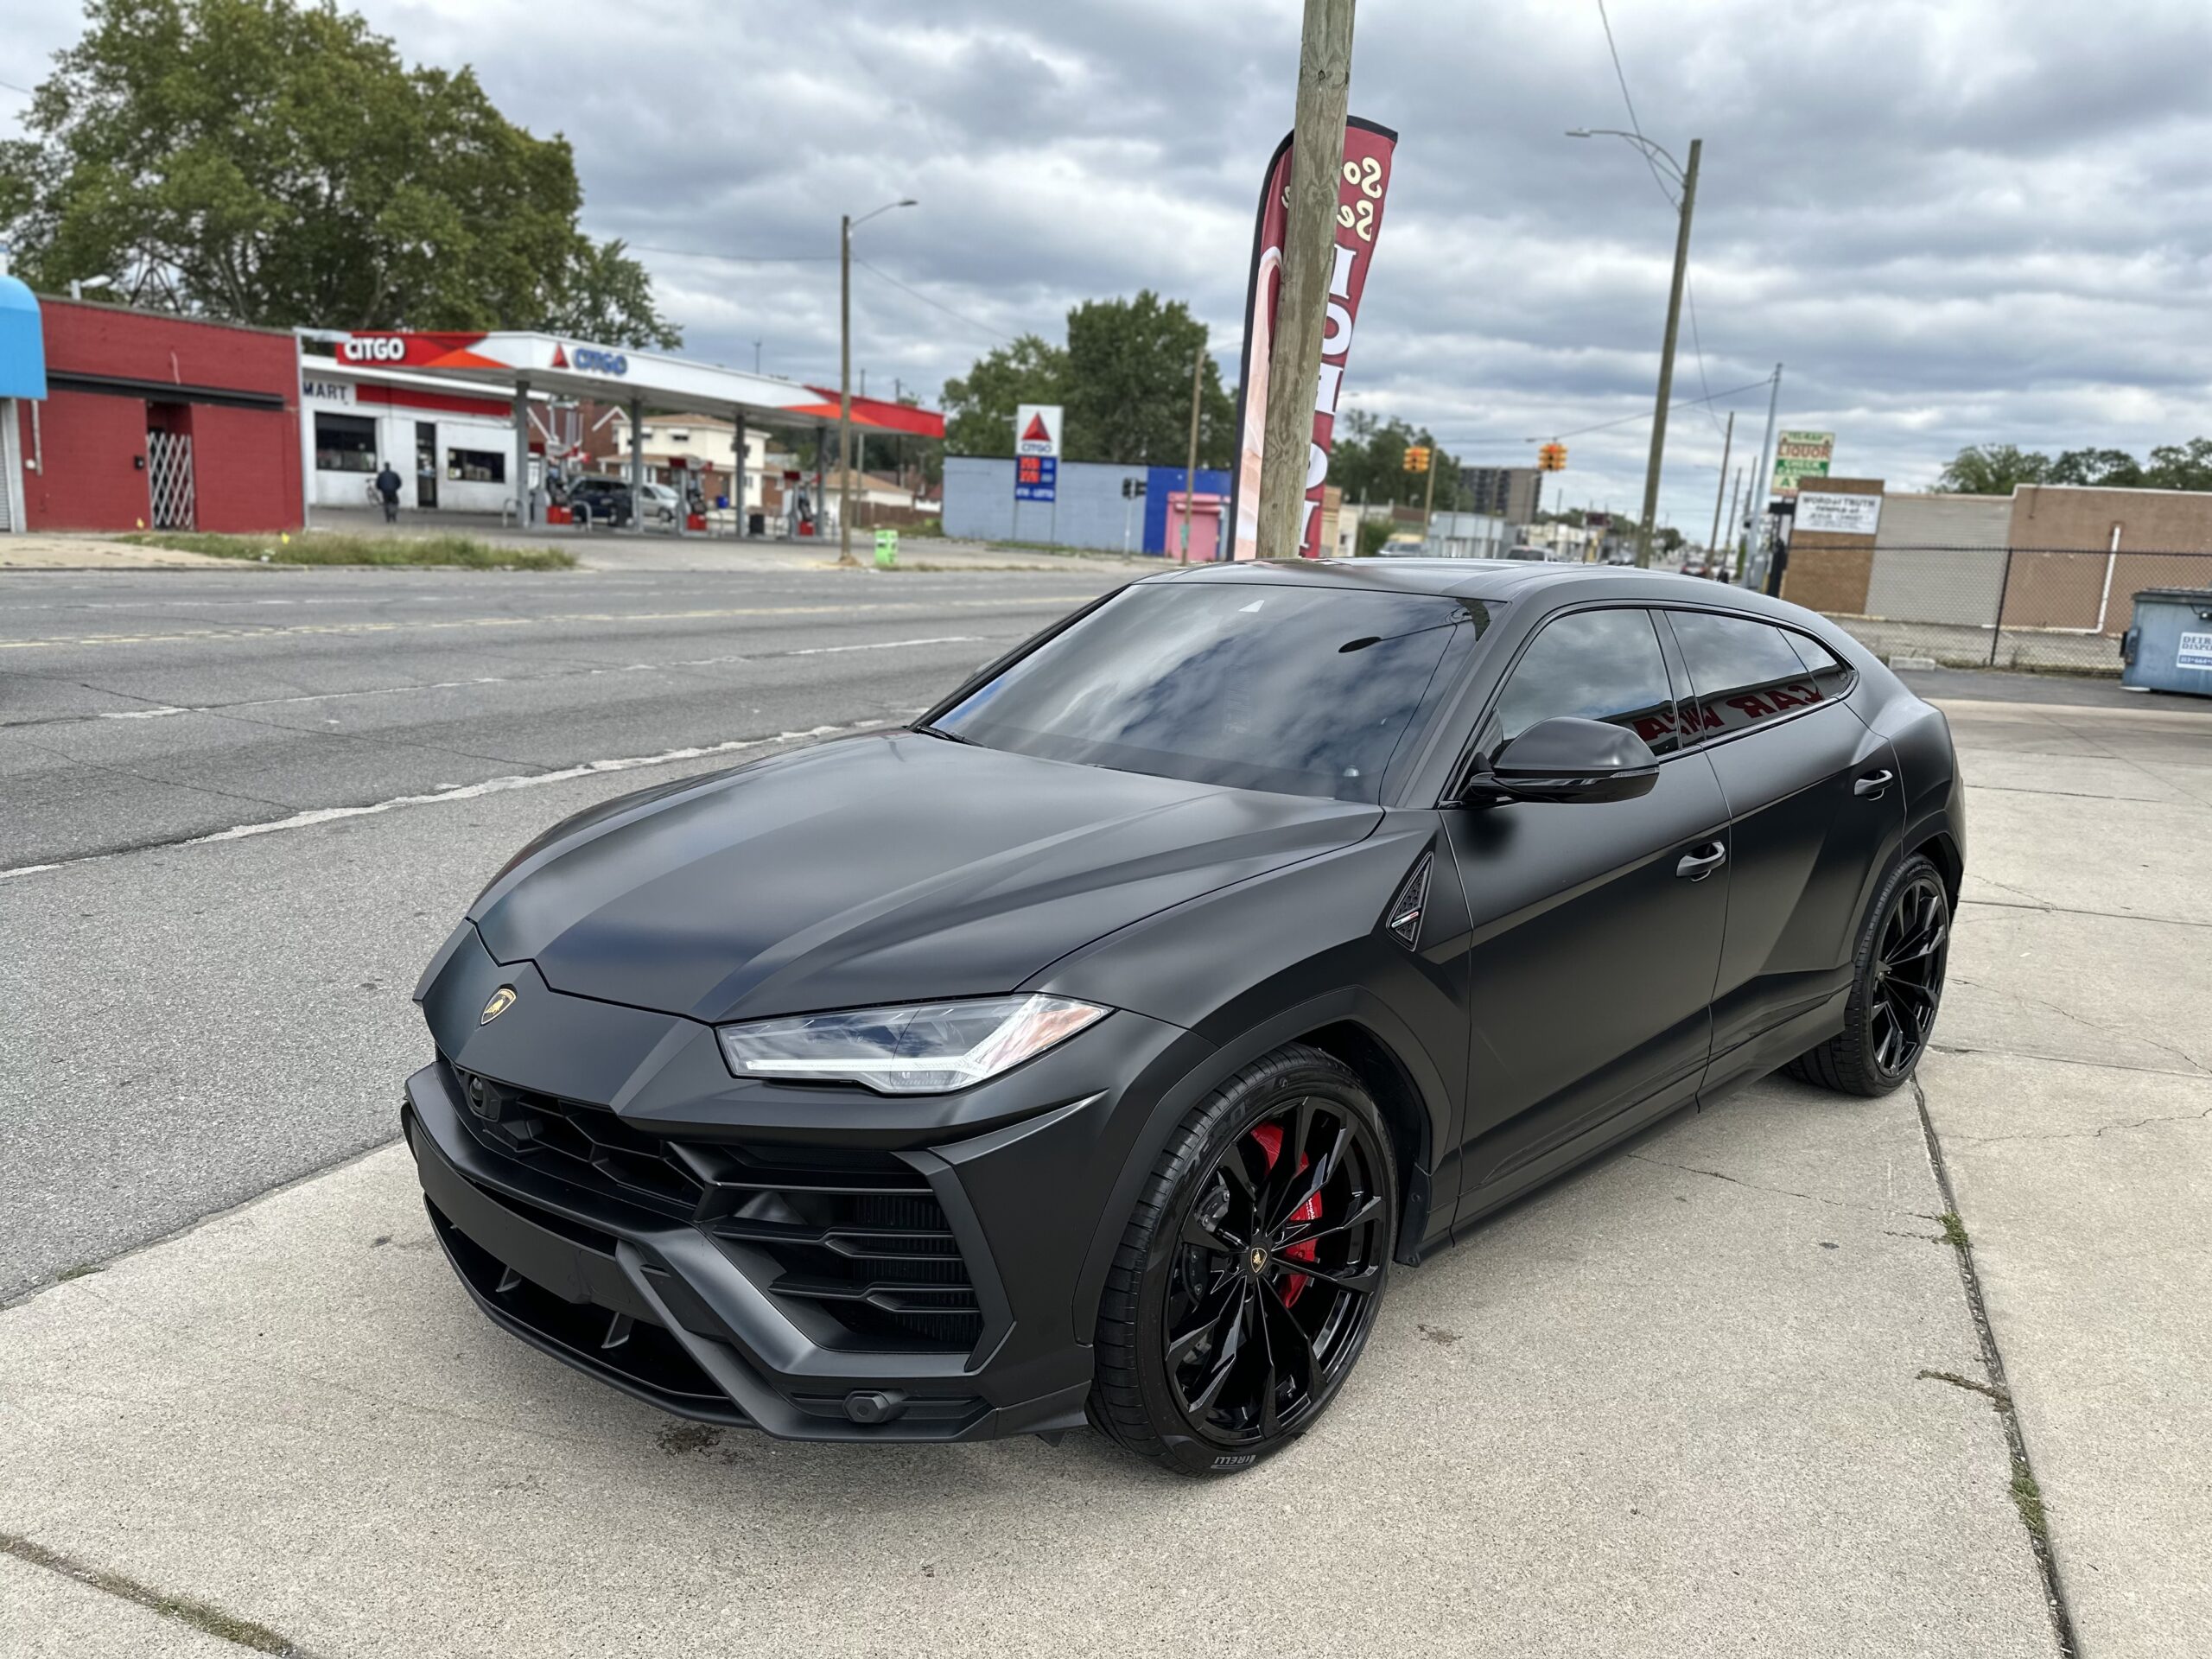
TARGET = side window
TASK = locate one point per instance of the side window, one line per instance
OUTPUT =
(1831, 675)
(1599, 664)
(1745, 673)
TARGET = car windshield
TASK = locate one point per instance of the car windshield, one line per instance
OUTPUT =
(1298, 690)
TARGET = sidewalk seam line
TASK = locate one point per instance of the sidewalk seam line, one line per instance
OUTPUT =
(2007, 1407)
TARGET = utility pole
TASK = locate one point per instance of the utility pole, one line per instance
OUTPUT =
(1761, 467)
(1191, 462)
(1667, 359)
(1735, 547)
(845, 387)
(756, 357)
(1317, 151)
(1721, 490)
(1428, 496)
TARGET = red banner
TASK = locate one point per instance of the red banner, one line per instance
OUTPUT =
(1361, 189)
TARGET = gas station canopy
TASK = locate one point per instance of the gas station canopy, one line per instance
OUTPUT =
(569, 368)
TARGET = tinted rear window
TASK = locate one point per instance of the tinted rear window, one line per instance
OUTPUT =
(1302, 690)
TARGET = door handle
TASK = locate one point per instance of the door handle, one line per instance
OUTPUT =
(1704, 862)
(1874, 784)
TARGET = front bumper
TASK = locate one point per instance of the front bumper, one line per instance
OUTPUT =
(821, 1264)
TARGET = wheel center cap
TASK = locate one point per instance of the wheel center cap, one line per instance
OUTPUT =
(1258, 1259)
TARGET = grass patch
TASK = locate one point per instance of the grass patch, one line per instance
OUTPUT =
(2027, 1497)
(82, 1270)
(317, 547)
(1954, 1230)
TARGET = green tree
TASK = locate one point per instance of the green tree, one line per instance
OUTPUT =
(1367, 462)
(1993, 469)
(2180, 465)
(1128, 384)
(979, 407)
(2109, 468)
(278, 164)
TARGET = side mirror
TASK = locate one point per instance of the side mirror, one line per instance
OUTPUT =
(1567, 759)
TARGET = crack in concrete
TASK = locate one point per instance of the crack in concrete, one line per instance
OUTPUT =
(201, 1616)
(2086, 1024)
(1784, 1191)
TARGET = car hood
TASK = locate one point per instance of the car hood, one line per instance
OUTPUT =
(884, 868)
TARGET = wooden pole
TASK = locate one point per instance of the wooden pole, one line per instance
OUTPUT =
(1649, 522)
(1317, 154)
(844, 393)
(1721, 490)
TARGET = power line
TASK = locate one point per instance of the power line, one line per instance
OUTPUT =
(728, 258)
(1625, 420)
(960, 316)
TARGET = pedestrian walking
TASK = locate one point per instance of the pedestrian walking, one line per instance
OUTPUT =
(388, 492)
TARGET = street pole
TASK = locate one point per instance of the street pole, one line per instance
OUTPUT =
(1191, 462)
(1762, 466)
(1428, 496)
(1721, 490)
(1735, 547)
(1667, 359)
(845, 388)
(1316, 149)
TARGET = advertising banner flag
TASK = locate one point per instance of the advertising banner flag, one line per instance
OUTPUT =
(1360, 193)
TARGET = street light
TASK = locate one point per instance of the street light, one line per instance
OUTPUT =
(77, 289)
(847, 226)
(1685, 179)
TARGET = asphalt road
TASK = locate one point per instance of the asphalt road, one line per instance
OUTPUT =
(192, 1020)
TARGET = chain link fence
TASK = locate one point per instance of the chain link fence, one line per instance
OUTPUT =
(2055, 610)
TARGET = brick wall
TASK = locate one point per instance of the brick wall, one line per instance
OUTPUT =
(1828, 572)
(86, 445)
(246, 468)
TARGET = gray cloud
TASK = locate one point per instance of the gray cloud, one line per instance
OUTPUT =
(1977, 221)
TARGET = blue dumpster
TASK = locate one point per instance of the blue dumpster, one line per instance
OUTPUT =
(2170, 647)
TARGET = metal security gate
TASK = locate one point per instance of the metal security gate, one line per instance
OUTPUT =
(168, 478)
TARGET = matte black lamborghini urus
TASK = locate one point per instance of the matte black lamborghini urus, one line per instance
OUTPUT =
(1096, 1045)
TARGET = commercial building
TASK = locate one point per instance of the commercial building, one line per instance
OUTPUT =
(144, 420)
(445, 438)
(1513, 493)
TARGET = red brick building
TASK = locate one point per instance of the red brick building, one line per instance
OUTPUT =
(156, 421)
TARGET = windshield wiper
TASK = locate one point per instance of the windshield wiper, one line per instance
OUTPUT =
(950, 737)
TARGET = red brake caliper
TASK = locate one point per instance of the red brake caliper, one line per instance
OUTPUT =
(1270, 1135)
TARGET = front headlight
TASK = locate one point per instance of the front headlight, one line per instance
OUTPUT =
(921, 1048)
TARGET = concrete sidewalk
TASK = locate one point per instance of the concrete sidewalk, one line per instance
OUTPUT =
(2071, 1089)
(1677, 1405)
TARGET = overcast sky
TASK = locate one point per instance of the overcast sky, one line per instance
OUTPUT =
(1981, 220)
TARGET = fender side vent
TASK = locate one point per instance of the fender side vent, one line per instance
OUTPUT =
(1402, 919)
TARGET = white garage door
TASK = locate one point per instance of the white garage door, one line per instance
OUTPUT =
(11, 466)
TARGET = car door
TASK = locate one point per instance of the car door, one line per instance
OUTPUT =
(1815, 809)
(1595, 927)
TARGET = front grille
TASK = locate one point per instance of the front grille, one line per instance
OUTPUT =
(857, 1234)
(855, 1238)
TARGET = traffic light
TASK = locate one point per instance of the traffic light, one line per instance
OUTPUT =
(1416, 457)
(1552, 458)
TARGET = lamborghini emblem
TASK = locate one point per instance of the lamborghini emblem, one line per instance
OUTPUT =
(502, 999)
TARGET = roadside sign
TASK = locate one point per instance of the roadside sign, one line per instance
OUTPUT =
(1801, 456)
(1839, 515)
(1036, 478)
(1037, 430)
(886, 549)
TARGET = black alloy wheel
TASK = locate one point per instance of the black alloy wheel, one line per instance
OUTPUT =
(1909, 973)
(1897, 988)
(1263, 1255)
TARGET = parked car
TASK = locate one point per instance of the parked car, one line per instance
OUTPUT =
(662, 504)
(1099, 1044)
(601, 499)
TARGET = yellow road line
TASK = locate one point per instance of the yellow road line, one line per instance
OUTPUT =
(413, 627)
